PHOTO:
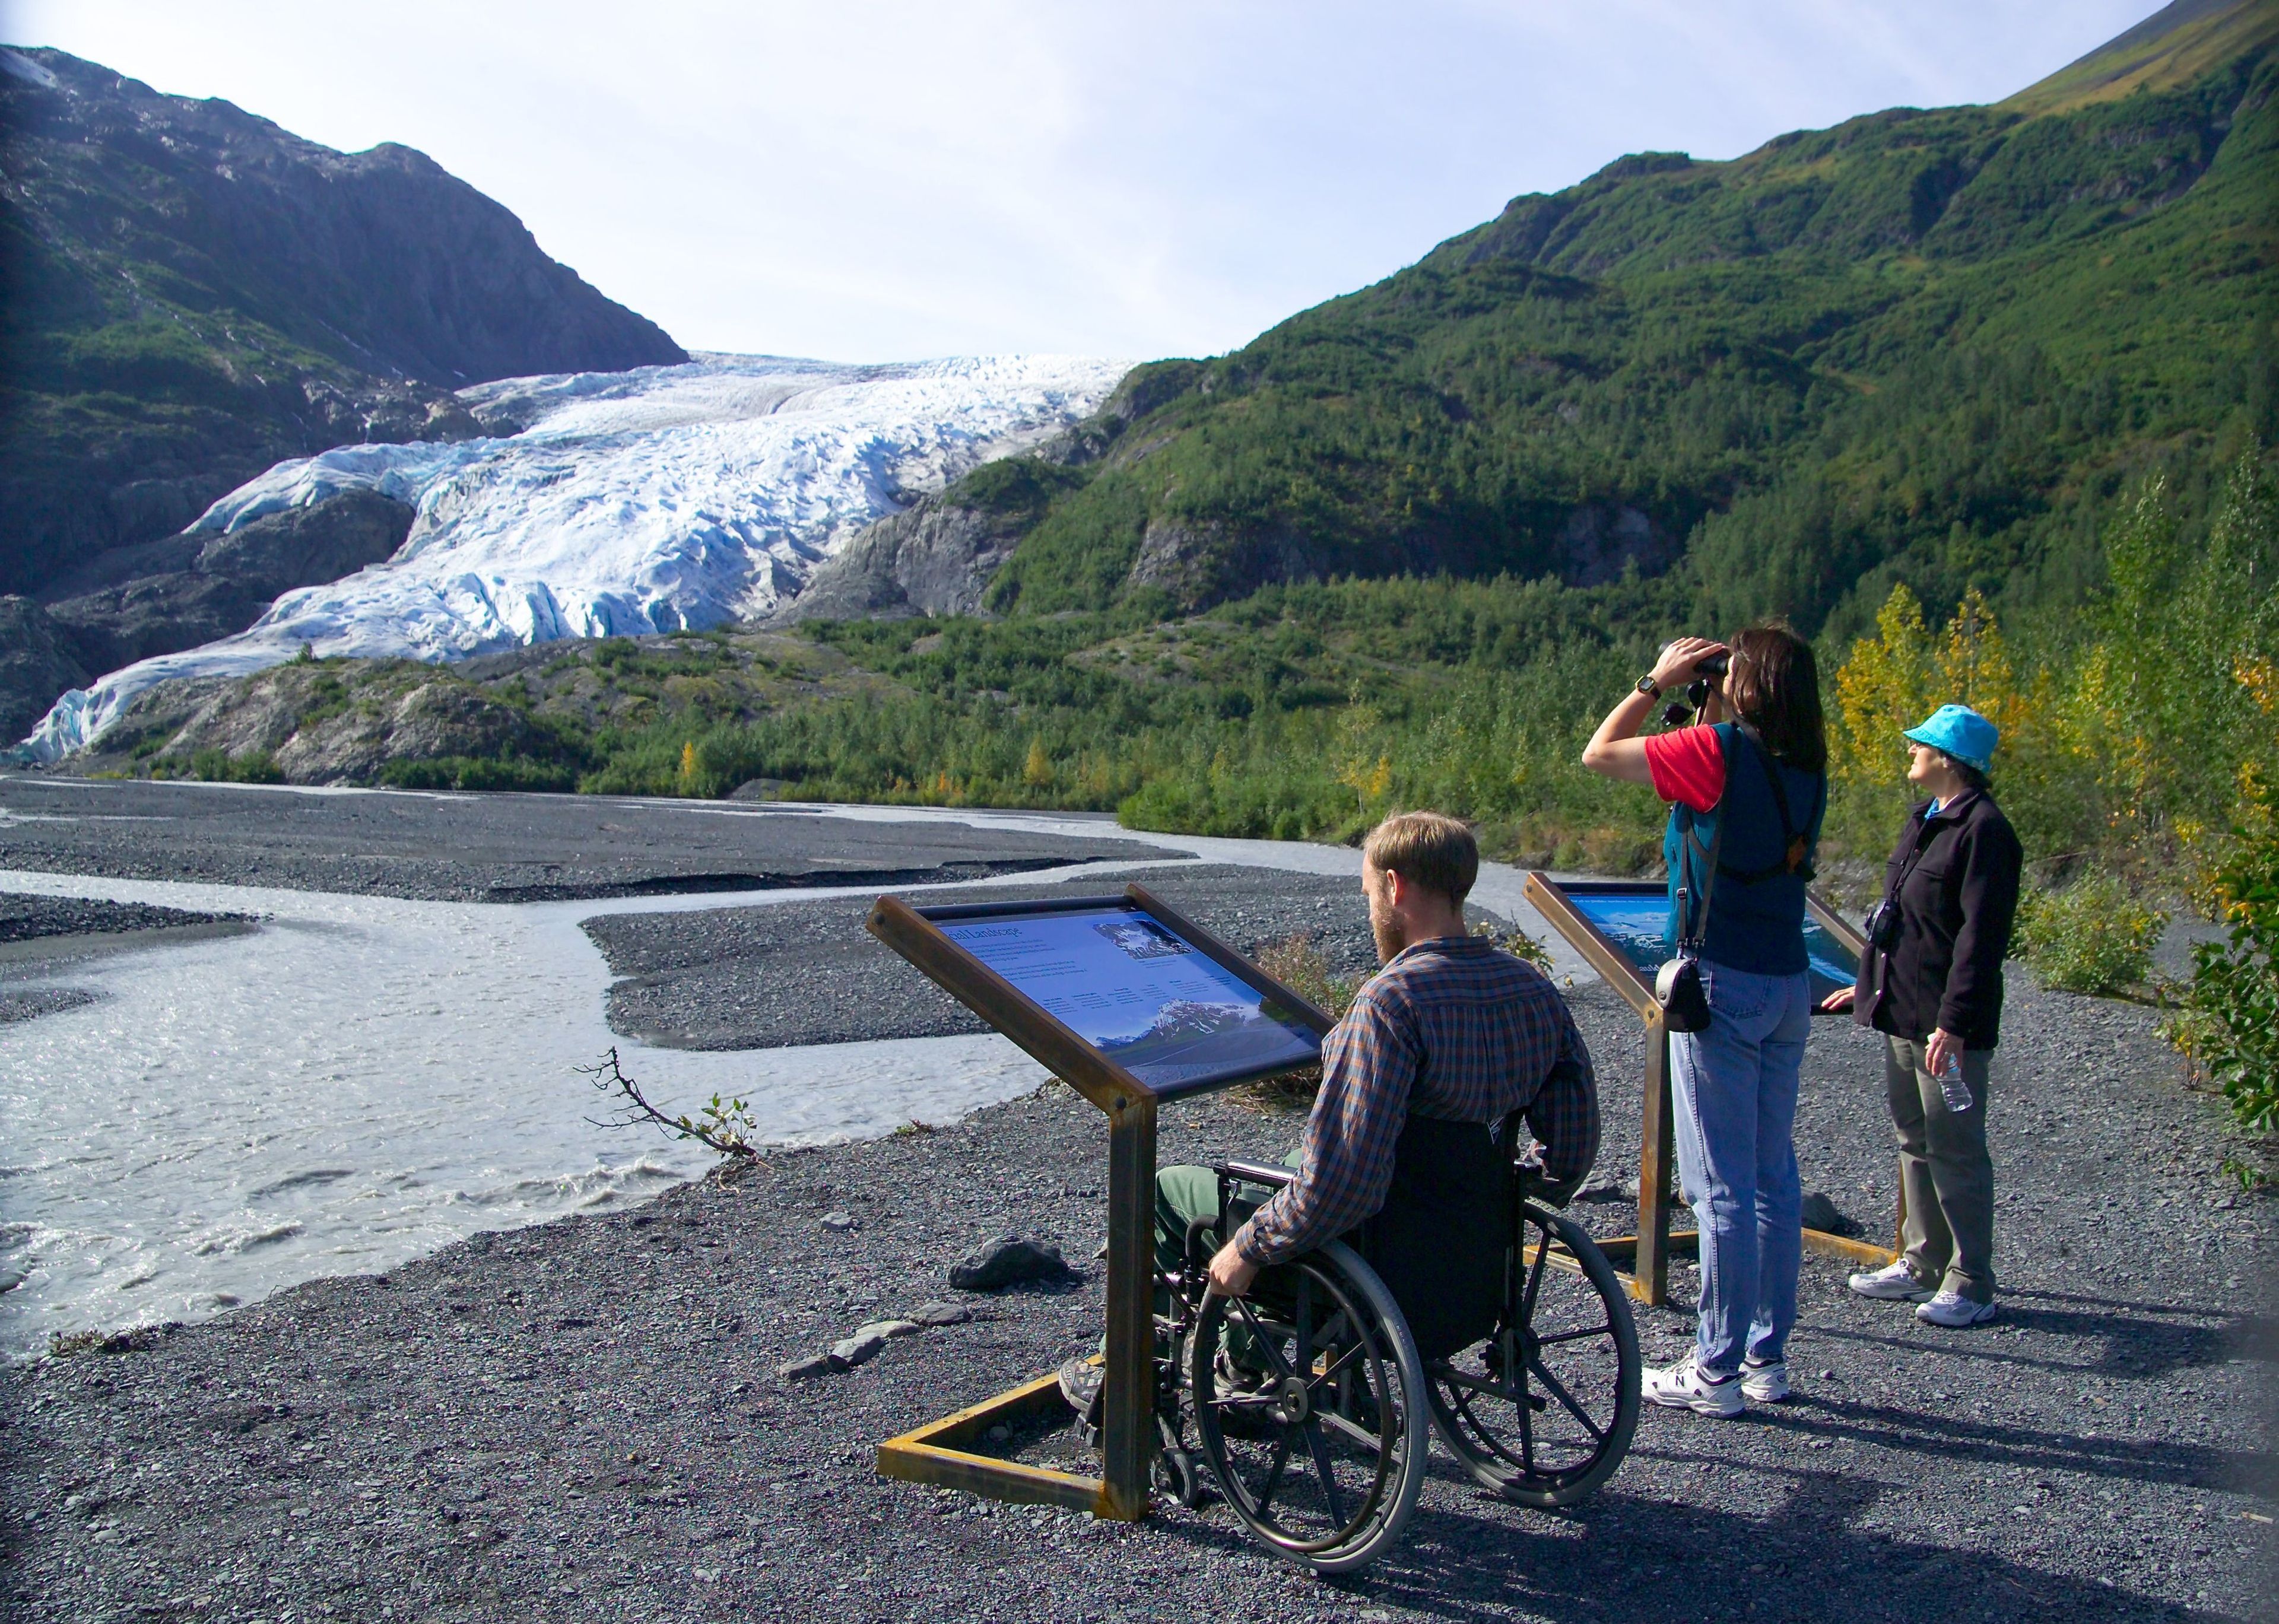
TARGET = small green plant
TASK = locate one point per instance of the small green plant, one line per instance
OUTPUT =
(2250, 1176)
(1299, 965)
(2227, 1020)
(2092, 937)
(1517, 943)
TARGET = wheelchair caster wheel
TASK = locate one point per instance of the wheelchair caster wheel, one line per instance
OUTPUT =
(1176, 1476)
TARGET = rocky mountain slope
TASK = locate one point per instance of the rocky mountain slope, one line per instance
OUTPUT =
(194, 294)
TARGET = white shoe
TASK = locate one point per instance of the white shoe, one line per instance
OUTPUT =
(1767, 1383)
(1894, 1283)
(1954, 1311)
(1682, 1386)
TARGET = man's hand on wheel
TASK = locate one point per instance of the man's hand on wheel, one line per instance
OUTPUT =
(1232, 1273)
(1838, 1001)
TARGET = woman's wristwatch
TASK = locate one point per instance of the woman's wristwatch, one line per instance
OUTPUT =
(1648, 686)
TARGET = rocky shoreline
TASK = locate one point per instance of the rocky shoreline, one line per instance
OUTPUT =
(585, 1420)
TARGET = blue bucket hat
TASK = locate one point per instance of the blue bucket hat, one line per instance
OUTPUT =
(1961, 733)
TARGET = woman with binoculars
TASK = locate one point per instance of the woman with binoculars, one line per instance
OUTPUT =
(1931, 982)
(1747, 796)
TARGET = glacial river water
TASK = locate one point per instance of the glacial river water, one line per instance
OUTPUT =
(362, 1080)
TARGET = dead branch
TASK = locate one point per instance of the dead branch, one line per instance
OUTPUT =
(722, 1127)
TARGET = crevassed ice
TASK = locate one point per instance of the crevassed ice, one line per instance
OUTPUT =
(656, 499)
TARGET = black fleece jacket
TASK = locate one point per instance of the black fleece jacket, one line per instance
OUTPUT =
(1956, 877)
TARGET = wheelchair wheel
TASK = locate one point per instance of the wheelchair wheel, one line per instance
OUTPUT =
(1309, 1405)
(1542, 1411)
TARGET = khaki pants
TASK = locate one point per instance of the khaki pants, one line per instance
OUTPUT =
(1945, 1172)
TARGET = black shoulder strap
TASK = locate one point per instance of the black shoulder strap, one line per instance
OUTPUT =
(1796, 844)
(1693, 926)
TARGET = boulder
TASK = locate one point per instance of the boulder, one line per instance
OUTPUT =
(1007, 1261)
(931, 1314)
(1822, 1214)
(859, 1349)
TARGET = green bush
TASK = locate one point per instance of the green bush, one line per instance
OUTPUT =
(476, 772)
(2227, 1019)
(2092, 937)
(219, 766)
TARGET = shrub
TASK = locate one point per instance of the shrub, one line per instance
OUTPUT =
(1299, 966)
(2228, 1018)
(2092, 937)
(217, 766)
(478, 772)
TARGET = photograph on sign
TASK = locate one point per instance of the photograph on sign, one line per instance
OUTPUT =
(1633, 917)
(1133, 988)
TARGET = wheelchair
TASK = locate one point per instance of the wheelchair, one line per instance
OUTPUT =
(1312, 1412)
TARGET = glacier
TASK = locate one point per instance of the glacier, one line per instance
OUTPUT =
(607, 504)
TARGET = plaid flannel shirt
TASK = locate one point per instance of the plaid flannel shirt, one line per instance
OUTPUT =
(1453, 1029)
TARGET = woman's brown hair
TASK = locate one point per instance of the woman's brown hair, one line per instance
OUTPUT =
(1775, 687)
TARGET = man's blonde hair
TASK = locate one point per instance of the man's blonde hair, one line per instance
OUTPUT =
(1427, 849)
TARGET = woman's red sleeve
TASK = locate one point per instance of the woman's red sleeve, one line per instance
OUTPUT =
(1688, 765)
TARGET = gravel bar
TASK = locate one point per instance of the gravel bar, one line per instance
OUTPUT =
(582, 1421)
(28, 918)
(763, 978)
(491, 847)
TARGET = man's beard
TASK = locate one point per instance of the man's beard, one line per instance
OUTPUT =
(1390, 940)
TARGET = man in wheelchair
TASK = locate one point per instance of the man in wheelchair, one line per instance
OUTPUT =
(1407, 1154)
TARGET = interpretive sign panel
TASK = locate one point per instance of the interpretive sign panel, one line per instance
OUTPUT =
(1631, 915)
(1130, 1004)
(1136, 988)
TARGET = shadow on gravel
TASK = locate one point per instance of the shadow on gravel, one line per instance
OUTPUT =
(2008, 1443)
(1648, 1560)
(2136, 1349)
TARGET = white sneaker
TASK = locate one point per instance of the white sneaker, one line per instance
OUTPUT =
(1767, 1383)
(1954, 1311)
(1682, 1386)
(1894, 1283)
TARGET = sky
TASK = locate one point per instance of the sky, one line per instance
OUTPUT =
(869, 181)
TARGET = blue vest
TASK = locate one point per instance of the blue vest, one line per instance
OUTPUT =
(1757, 927)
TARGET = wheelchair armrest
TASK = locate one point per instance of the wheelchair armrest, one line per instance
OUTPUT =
(1273, 1176)
(1553, 1193)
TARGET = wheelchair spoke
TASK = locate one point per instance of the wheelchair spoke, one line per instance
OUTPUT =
(1274, 1475)
(1573, 1336)
(1330, 1372)
(1534, 1280)
(1353, 1429)
(1262, 1339)
(1597, 1434)
(1318, 1447)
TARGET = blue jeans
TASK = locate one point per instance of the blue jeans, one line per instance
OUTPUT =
(1734, 1088)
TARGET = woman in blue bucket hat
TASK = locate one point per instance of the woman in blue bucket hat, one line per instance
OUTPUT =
(1931, 982)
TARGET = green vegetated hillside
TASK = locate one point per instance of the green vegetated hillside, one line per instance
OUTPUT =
(1405, 547)
(1923, 345)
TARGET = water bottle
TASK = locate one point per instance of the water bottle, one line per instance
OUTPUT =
(1952, 1087)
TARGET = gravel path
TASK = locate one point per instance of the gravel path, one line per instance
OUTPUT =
(808, 972)
(581, 1420)
(490, 848)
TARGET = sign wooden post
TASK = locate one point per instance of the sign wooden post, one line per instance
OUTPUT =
(940, 1453)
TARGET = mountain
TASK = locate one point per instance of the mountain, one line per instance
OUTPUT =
(1909, 347)
(193, 294)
